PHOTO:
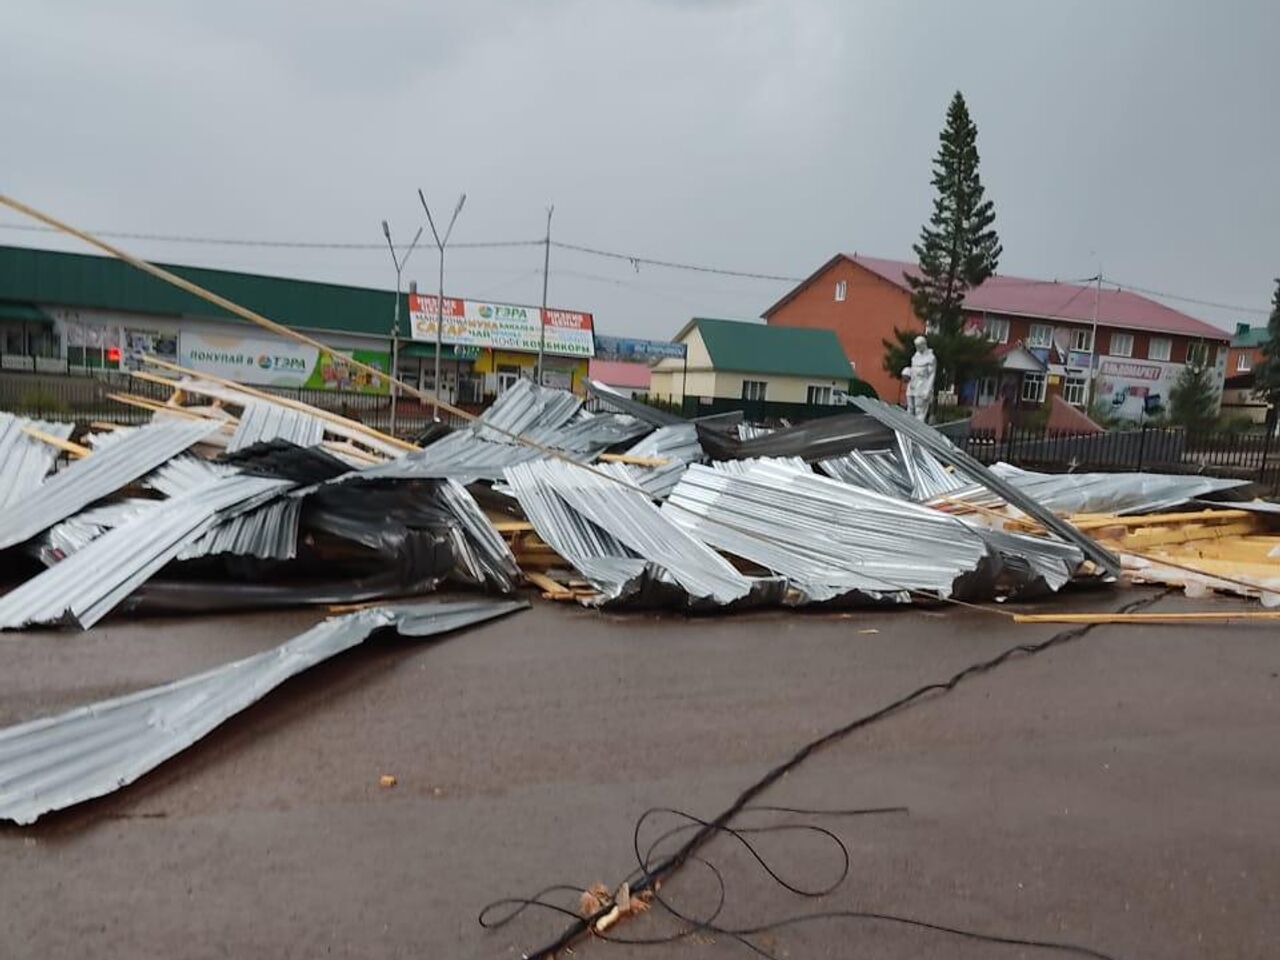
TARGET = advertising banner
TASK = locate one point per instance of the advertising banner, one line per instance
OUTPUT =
(631, 350)
(279, 363)
(501, 326)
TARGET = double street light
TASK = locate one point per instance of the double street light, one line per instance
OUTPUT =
(440, 245)
(398, 263)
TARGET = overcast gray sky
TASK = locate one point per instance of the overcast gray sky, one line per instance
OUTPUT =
(759, 136)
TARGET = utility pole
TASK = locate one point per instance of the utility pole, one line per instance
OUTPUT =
(440, 245)
(1093, 343)
(546, 263)
(398, 263)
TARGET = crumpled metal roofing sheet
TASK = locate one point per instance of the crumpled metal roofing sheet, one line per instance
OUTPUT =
(525, 406)
(57, 762)
(678, 444)
(24, 460)
(261, 421)
(942, 448)
(829, 538)
(630, 519)
(85, 587)
(623, 404)
(268, 532)
(1122, 493)
(98, 475)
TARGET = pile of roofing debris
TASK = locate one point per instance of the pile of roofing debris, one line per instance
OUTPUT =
(232, 498)
(235, 499)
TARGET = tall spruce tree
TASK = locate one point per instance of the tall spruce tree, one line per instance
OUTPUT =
(1266, 375)
(958, 250)
(1193, 401)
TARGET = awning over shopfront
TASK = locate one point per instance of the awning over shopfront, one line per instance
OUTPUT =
(23, 312)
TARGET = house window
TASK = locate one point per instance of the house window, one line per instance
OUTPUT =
(753, 389)
(997, 329)
(1244, 363)
(1041, 335)
(1082, 341)
(1122, 344)
(842, 289)
(1033, 387)
(818, 395)
(1159, 348)
(1197, 353)
(1073, 389)
(986, 391)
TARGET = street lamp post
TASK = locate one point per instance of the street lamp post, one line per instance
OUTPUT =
(542, 325)
(398, 263)
(440, 245)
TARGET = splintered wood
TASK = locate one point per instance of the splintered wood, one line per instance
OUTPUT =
(538, 560)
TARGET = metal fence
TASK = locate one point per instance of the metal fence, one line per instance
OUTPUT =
(1254, 455)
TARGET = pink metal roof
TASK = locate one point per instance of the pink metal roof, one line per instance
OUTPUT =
(1060, 301)
(617, 373)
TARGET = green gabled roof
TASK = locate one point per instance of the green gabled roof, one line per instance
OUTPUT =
(79, 280)
(747, 347)
(1253, 337)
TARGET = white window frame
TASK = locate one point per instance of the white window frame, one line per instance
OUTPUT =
(749, 391)
(1081, 340)
(1244, 362)
(842, 290)
(818, 395)
(1040, 335)
(1074, 390)
(1159, 348)
(1121, 344)
(988, 391)
(996, 329)
(1033, 378)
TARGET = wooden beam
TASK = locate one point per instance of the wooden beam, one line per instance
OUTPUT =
(547, 585)
(66, 446)
(1094, 521)
(635, 461)
(1223, 616)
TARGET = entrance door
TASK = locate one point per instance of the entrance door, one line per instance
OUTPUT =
(507, 379)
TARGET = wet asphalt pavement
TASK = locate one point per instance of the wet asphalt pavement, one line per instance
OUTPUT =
(1121, 791)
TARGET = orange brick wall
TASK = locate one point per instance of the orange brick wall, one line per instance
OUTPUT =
(871, 309)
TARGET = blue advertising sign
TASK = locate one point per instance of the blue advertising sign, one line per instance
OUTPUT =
(637, 351)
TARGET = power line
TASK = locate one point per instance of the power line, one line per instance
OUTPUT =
(1173, 296)
(635, 260)
(284, 244)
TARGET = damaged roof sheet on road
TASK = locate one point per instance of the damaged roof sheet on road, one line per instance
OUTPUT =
(56, 762)
(24, 460)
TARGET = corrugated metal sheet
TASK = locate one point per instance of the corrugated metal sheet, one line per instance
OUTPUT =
(98, 475)
(898, 421)
(270, 421)
(24, 460)
(57, 762)
(678, 444)
(632, 520)
(1098, 492)
(268, 532)
(525, 406)
(87, 585)
(830, 539)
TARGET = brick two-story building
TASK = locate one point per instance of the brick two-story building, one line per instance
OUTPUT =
(1044, 331)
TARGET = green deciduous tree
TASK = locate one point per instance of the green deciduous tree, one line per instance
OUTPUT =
(1266, 375)
(958, 250)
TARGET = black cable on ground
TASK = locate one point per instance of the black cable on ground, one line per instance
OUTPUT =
(651, 875)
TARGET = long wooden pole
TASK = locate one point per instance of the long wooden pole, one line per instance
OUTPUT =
(1214, 616)
(244, 313)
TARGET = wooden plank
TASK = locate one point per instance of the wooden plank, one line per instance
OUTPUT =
(512, 526)
(547, 585)
(66, 446)
(634, 460)
(1198, 617)
(1094, 521)
(333, 418)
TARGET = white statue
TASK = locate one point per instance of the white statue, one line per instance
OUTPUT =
(920, 376)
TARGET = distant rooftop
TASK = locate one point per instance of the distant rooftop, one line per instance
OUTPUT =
(747, 346)
(1047, 299)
